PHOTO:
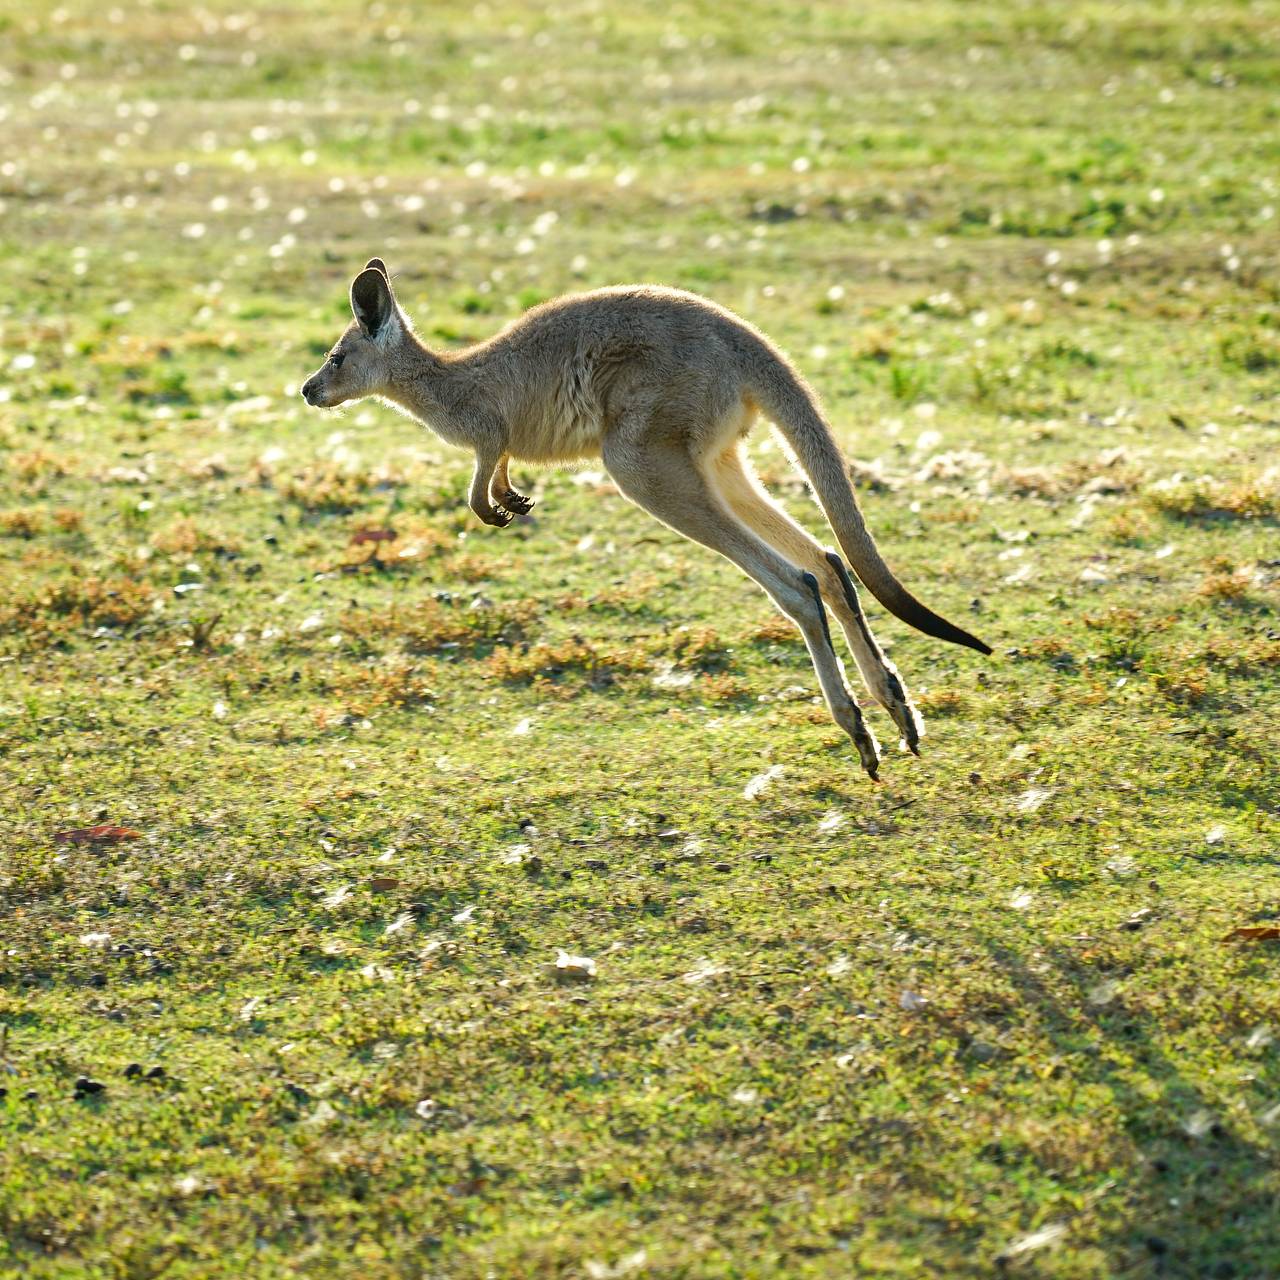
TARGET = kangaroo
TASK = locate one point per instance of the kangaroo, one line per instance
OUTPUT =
(663, 386)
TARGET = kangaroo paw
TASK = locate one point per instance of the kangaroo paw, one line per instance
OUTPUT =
(516, 502)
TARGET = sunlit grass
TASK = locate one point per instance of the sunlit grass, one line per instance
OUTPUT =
(387, 764)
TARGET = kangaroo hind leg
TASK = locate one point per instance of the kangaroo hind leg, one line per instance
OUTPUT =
(664, 479)
(733, 477)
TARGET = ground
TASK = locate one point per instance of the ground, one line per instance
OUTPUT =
(371, 766)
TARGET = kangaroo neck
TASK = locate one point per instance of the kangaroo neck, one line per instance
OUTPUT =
(429, 388)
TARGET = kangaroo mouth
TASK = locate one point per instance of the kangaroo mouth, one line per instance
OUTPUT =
(317, 398)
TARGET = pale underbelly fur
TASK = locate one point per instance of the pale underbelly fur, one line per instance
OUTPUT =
(561, 427)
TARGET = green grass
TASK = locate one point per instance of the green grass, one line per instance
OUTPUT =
(983, 1018)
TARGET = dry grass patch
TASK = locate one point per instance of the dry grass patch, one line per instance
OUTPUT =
(544, 665)
(186, 536)
(1109, 471)
(1130, 527)
(700, 647)
(1187, 686)
(396, 683)
(433, 625)
(942, 702)
(1256, 498)
(1247, 658)
(35, 467)
(329, 488)
(21, 523)
(776, 629)
(632, 595)
(1225, 581)
(58, 610)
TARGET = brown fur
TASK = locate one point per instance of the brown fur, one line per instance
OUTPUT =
(663, 386)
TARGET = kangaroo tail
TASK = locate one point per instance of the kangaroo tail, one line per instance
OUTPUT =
(794, 410)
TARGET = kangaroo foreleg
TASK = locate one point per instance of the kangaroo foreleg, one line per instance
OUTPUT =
(488, 460)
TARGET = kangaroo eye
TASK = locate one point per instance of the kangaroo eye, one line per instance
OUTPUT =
(336, 358)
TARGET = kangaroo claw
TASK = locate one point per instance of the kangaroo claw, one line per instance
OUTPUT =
(517, 502)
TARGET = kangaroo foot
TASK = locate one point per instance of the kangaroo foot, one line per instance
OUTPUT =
(515, 502)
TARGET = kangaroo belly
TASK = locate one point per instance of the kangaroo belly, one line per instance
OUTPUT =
(566, 422)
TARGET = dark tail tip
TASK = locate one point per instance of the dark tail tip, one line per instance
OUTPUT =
(914, 614)
(972, 642)
(902, 604)
(944, 630)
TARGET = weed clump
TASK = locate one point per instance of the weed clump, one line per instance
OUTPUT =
(21, 523)
(1225, 581)
(776, 629)
(1250, 351)
(185, 537)
(59, 609)
(544, 665)
(700, 647)
(327, 488)
(1187, 687)
(1108, 471)
(433, 626)
(397, 684)
(1257, 498)
(942, 702)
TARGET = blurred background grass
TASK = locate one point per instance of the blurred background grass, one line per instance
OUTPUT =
(981, 1018)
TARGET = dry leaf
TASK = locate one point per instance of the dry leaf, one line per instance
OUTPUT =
(1036, 1240)
(597, 1270)
(1254, 933)
(1198, 1123)
(762, 781)
(93, 835)
(325, 1113)
(574, 968)
(1031, 799)
(372, 535)
(383, 884)
(701, 972)
(1103, 993)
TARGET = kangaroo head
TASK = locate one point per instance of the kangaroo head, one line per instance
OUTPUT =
(362, 361)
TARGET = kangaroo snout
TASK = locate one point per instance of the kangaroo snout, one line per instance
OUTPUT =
(309, 391)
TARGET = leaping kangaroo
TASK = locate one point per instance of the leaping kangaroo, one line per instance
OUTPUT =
(663, 386)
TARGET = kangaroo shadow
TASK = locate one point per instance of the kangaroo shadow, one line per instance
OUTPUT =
(1192, 1195)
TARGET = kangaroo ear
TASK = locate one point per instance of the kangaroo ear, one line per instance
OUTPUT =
(377, 264)
(371, 301)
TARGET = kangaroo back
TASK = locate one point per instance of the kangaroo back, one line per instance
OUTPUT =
(792, 406)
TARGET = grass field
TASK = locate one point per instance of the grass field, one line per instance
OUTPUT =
(983, 1019)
